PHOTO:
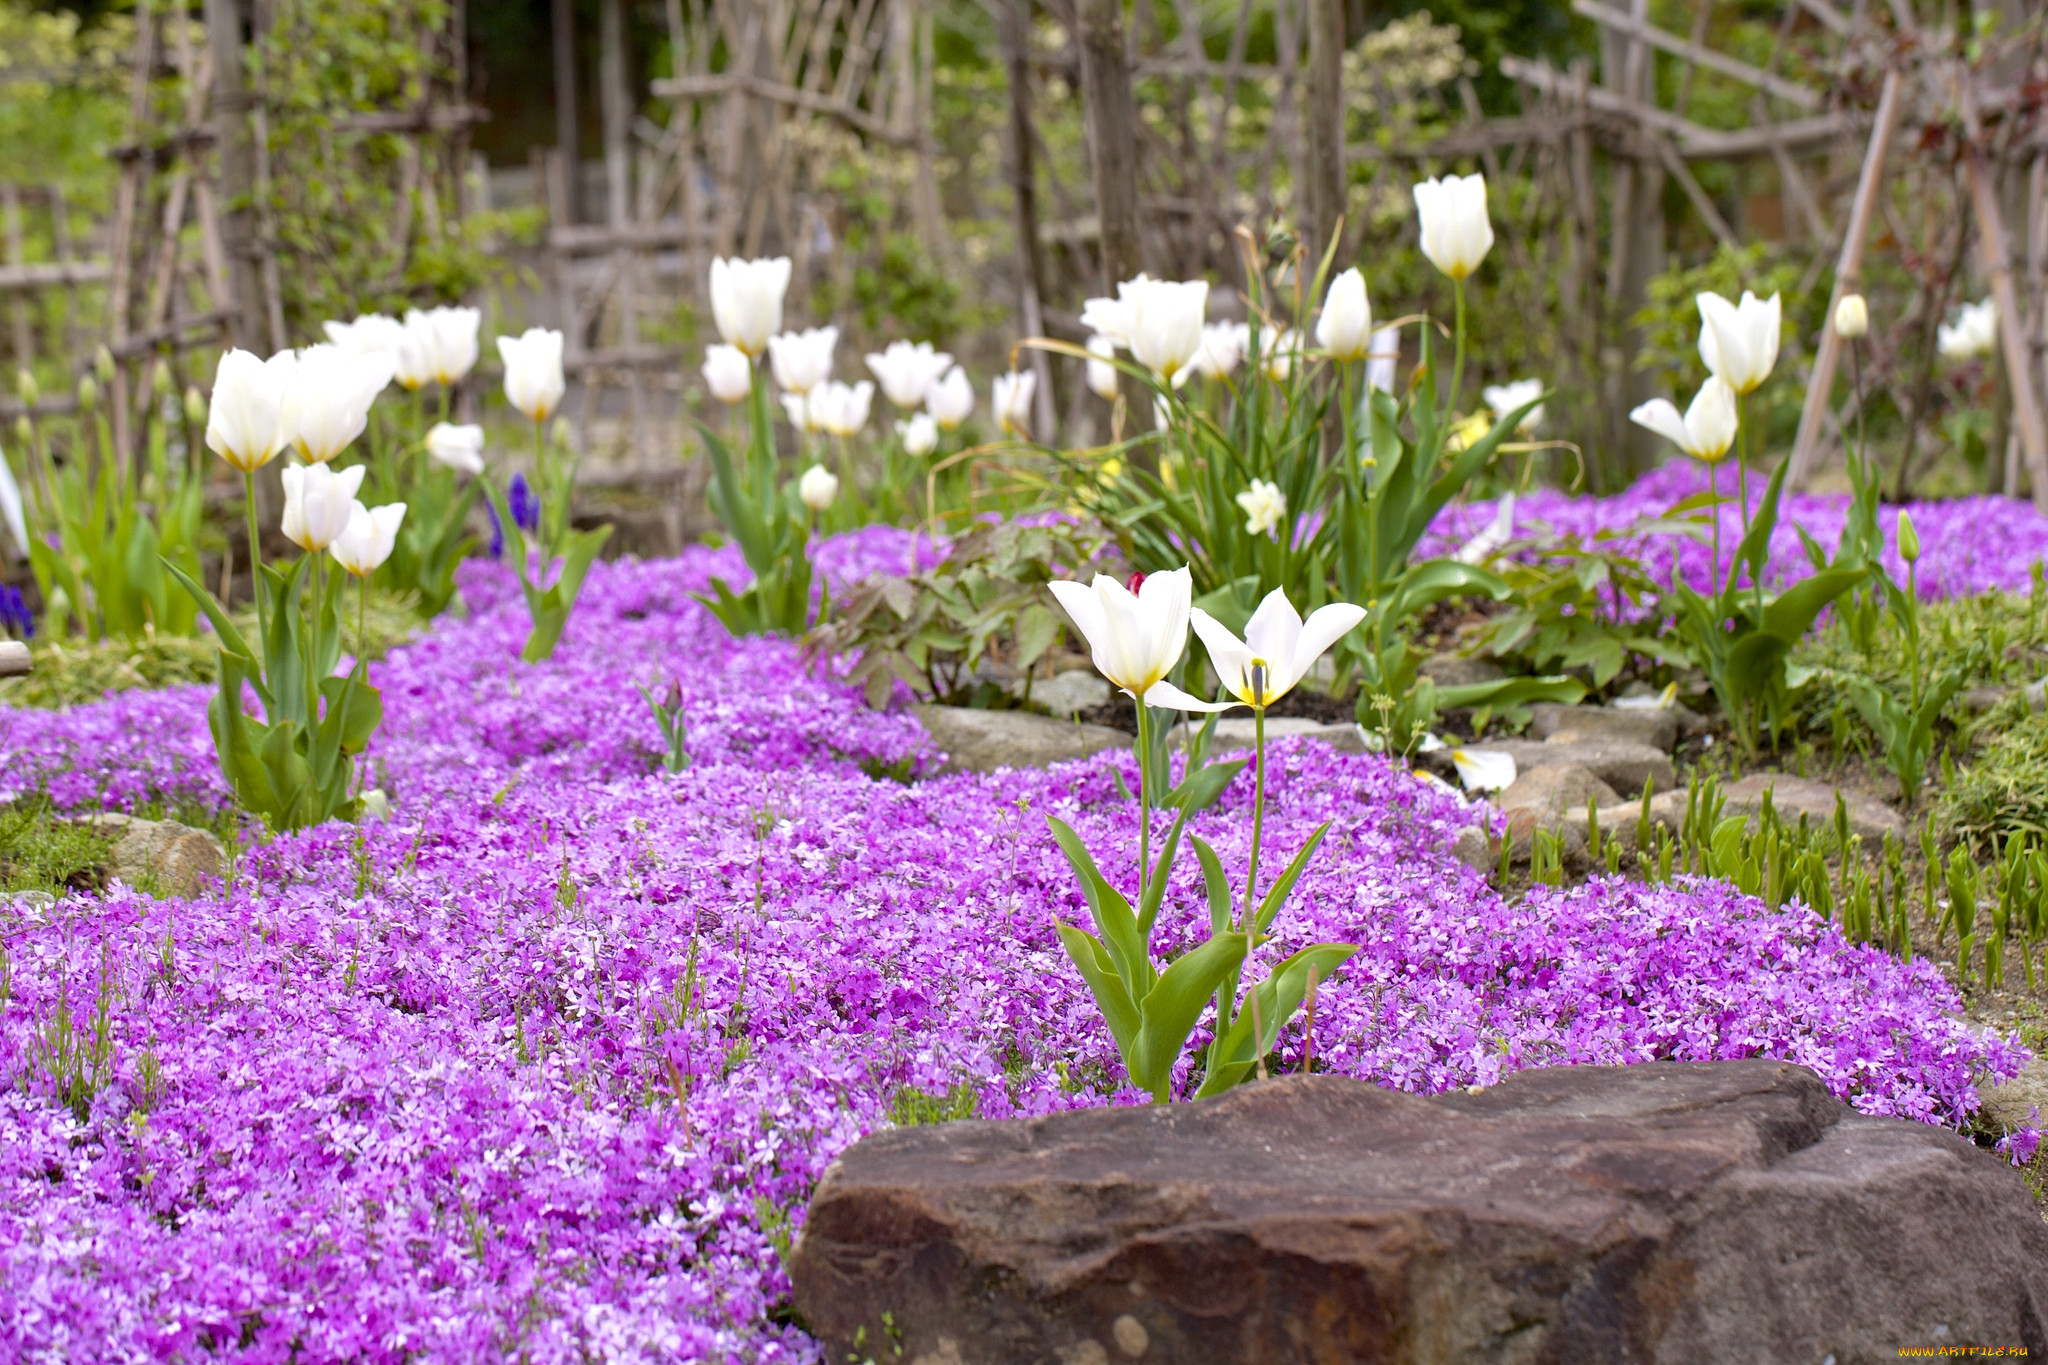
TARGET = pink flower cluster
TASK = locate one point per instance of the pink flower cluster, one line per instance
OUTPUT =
(544, 1066)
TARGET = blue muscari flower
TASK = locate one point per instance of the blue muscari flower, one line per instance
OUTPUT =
(497, 530)
(525, 505)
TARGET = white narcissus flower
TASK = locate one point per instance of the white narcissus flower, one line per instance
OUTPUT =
(1166, 322)
(246, 422)
(1136, 638)
(1345, 327)
(369, 333)
(728, 373)
(1852, 317)
(841, 409)
(1011, 398)
(1264, 504)
(951, 400)
(818, 488)
(1705, 431)
(920, 435)
(327, 404)
(1974, 332)
(533, 371)
(317, 502)
(1503, 399)
(1102, 376)
(802, 360)
(459, 447)
(1456, 232)
(746, 300)
(367, 541)
(906, 371)
(1278, 648)
(1739, 342)
(1222, 351)
(447, 342)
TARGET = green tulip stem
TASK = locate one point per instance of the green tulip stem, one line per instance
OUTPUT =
(1251, 876)
(1913, 633)
(1144, 797)
(1458, 364)
(1714, 491)
(1856, 373)
(1756, 581)
(541, 491)
(255, 555)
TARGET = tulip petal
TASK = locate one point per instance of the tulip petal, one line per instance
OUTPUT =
(1084, 609)
(1273, 635)
(1326, 625)
(1167, 697)
(1230, 656)
(1660, 416)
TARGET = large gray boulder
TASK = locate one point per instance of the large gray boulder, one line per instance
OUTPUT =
(1622, 764)
(1655, 727)
(976, 741)
(1671, 1213)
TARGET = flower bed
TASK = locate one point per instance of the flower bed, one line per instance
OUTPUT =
(544, 1065)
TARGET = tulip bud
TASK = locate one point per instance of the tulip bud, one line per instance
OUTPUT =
(1909, 539)
(1852, 317)
(24, 430)
(103, 365)
(160, 379)
(195, 405)
(819, 488)
(560, 433)
(25, 385)
(88, 395)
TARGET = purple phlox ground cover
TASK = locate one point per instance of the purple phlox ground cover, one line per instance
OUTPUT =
(545, 1065)
(1968, 545)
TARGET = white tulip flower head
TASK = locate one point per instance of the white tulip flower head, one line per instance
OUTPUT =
(327, 404)
(1223, 348)
(368, 539)
(1345, 327)
(907, 371)
(533, 371)
(317, 502)
(1456, 232)
(728, 373)
(1705, 431)
(951, 400)
(247, 423)
(1503, 399)
(1739, 342)
(818, 488)
(1102, 376)
(1136, 638)
(802, 360)
(746, 300)
(461, 448)
(1278, 648)
(367, 335)
(1011, 398)
(1852, 317)
(920, 435)
(447, 341)
(841, 409)
(1974, 332)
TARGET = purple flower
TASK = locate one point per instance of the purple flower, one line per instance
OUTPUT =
(524, 504)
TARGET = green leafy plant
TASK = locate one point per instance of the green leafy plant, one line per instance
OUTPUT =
(934, 629)
(1576, 605)
(552, 570)
(770, 525)
(434, 538)
(668, 717)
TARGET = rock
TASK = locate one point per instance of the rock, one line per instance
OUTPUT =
(2016, 1103)
(1792, 797)
(1622, 765)
(179, 858)
(1543, 798)
(1978, 700)
(1238, 732)
(1655, 727)
(1455, 670)
(978, 741)
(1474, 849)
(1687, 1214)
(1071, 692)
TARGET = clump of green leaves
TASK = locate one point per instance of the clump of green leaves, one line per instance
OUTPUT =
(1578, 605)
(984, 603)
(2004, 793)
(43, 851)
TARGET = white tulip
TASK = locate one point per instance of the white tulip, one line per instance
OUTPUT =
(1011, 399)
(802, 360)
(1484, 770)
(1382, 359)
(951, 400)
(1740, 342)
(1136, 638)
(728, 373)
(1279, 351)
(841, 409)
(317, 502)
(368, 334)
(368, 539)
(1345, 328)
(1505, 398)
(1166, 322)
(746, 300)
(327, 404)
(1113, 318)
(1264, 504)
(1222, 351)
(11, 509)
(1456, 233)
(920, 435)
(798, 407)
(1974, 333)
(459, 447)
(1496, 534)
(1852, 317)
(447, 341)
(533, 371)
(246, 422)
(819, 488)
(1102, 376)
(1278, 648)
(907, 371)
(1708, 427)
